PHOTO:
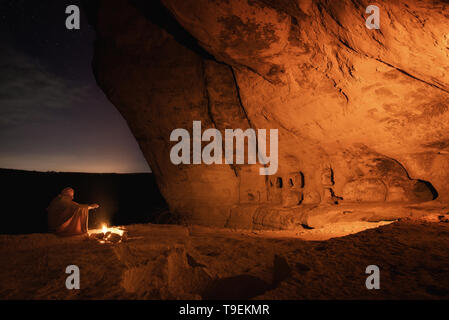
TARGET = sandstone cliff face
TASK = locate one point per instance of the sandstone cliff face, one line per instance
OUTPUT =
(362, 114)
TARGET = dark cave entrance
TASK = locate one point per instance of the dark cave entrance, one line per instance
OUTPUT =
(428, 186)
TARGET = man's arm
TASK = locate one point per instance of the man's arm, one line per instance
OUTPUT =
(87, 206)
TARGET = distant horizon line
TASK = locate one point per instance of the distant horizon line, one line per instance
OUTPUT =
(76, 172)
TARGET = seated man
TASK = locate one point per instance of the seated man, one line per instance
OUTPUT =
(66, 217)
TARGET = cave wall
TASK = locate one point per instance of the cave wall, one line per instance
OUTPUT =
(362, 114)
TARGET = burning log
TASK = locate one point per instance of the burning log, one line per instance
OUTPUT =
(109, 234)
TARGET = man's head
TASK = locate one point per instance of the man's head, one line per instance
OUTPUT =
(68, 192)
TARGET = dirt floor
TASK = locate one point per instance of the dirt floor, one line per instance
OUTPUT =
(176, 262)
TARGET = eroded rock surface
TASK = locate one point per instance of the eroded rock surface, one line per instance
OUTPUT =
(362, 114)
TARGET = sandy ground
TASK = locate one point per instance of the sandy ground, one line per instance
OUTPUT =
(176, 262)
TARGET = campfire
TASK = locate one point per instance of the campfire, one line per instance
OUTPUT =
(109, 234)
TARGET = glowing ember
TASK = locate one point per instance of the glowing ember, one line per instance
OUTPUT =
(108, 234)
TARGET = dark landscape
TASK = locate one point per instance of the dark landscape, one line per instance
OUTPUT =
(123, 198)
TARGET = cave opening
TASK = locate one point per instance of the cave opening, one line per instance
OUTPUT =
(302, 180)
(279, 182)
(431, 188)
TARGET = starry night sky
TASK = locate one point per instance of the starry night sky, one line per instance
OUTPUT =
(53, 116)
